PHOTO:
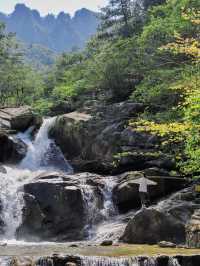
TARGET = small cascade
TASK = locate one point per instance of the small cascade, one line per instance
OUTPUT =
(122, 261)
(94, 261)
(109, 209)
(91, 207)
(96, 212)
(43, 152)
(42, 155)
(127, 261)
(11, 198)
(4, 261)
(44, 262)
(173, 262)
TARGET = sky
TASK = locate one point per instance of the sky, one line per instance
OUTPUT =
(53, 6)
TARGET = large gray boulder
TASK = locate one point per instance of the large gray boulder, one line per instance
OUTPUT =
(165, 222)
(150, 226)
(95, 141)
(56, 207)
(12, 150)
(18, 119)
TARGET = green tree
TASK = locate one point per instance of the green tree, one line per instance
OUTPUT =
(116, 18)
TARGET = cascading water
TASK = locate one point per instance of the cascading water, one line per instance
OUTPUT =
(92, 261)
(42, 155)
(126, 261)
(98, 214)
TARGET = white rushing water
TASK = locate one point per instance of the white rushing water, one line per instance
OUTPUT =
(43, 155)
(40, 156)
(125, 261)
(91, 261)
(97, 214)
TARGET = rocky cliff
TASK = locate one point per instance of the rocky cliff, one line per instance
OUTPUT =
(61, 33)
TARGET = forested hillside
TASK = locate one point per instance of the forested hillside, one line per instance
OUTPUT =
(146, 52)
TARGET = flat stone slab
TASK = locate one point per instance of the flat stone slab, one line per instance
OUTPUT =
(78, 116)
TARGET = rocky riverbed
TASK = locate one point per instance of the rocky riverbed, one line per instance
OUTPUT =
(61, 182)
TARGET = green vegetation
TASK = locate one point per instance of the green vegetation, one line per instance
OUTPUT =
(137, 250)
(19, 84)
(148, 53)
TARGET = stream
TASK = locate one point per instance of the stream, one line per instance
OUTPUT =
(44, 156)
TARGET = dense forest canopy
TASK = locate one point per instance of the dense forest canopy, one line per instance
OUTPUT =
(144, 51)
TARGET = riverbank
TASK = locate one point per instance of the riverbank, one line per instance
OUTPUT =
(86, 249)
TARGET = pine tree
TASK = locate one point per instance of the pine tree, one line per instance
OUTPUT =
(116, 18)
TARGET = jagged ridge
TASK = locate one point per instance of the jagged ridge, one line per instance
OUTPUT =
(58, 33)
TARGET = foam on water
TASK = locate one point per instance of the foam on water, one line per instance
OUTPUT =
(38, 158)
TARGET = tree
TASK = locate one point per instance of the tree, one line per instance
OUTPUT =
(18, 83)
(116, 18)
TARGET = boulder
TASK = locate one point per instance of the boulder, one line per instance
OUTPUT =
(126, 195)
(12, 150)
(60, 207)
(165, 244)
(3, 169)
(107, 243)
(104, 143)
(150, 226)
(193, 231)
(33, 218)
(92, 142)
(164, 222)
(18, 119)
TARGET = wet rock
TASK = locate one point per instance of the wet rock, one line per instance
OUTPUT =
(2, 169)
(13, 150)
(32, 219)
(73, 246)
(92, 143)
(165, 244)
(193, 231)
(56, 207)
(18, 119)
(107, 243)
(150, 226)
(164, 222)
(62, 207)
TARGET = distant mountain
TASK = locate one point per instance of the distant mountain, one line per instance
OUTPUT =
(39, 57)
(57, 33)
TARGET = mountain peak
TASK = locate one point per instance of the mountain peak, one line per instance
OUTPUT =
(21, 8)
(62, 16)
(59, 33)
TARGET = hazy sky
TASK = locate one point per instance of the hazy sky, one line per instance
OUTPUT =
(52, 6)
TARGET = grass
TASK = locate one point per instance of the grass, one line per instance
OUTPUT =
(122, 250)
(136, 250)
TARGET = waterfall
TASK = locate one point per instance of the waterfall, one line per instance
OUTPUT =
(43, 152)
(106, 261)
(173, 262)
(96, 213)
(11, 199)
(45, 262)
(4, 261)
(126, 261)
(42, 155)
(93, 261)
(109, 209)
